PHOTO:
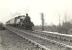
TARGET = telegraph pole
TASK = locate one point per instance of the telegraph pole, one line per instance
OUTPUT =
(59, 20)
(65, 17)
(42, 18)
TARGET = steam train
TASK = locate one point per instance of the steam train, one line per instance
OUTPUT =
(21, 21)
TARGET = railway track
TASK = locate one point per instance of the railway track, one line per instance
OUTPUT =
(45, 35)
(40, 41)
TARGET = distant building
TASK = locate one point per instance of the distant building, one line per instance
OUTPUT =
(1, 26)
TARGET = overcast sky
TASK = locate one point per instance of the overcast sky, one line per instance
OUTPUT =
(52, 9)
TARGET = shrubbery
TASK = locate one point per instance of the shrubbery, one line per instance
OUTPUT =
(64, 28)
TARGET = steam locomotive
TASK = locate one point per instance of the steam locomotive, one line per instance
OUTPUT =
(21, 21)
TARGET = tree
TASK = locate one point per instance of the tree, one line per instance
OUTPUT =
(42, 18)
(66, 26)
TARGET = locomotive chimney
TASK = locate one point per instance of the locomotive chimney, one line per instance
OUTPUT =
(26, 14)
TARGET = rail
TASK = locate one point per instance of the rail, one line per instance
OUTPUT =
(52, 41)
